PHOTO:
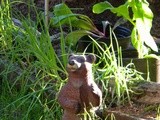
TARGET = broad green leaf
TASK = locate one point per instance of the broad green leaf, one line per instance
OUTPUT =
(122, 10)
(63, 19)
(147, 11)
(73, 37)
(145, 35)
(138, 43)
(148, 15)
(63, 14)
(134, 38)
(61, 9)
(142, 10)
(142, 16)
(83, 24)
(85, 17)
(82, 21)
(136, 9)
(101, 7)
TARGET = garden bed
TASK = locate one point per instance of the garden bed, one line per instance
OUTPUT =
(142, 107)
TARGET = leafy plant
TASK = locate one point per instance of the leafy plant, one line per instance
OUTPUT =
(141, 18)
(63, 15)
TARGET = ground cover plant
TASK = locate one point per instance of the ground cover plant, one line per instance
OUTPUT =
(32, 73)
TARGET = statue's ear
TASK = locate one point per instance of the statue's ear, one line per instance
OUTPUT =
(72, 54)
(91, 58)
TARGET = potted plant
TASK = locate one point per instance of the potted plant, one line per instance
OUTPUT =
(79, 38)
(139, 14)
(112, 35)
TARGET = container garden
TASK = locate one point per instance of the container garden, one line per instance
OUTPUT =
(122, 35)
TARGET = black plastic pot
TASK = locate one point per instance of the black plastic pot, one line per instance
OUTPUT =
(122, 35)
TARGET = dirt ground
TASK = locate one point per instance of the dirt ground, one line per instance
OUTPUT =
(137, 110)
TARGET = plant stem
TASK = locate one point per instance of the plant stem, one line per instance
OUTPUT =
(46, 12)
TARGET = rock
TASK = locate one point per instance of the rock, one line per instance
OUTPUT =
(148, 93)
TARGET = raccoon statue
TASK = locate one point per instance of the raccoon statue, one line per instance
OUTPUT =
(80, 92)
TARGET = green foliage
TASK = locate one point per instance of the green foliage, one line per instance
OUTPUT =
(63, 15)
(6, 25)
(42, 48)
(112, 75)
(141, 20)
(29, 70)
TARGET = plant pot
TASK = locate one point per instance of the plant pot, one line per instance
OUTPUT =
(148, 66)
(122, 35)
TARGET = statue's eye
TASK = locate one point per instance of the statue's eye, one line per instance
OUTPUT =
(81, 59)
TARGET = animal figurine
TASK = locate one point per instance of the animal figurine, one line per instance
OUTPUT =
(80, 93)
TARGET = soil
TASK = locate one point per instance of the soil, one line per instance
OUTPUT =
(136, 109)
(85, 7)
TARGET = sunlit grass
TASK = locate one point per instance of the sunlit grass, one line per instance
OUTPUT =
(30, 75)
(113, 74)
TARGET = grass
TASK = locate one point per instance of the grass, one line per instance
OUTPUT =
(113, 74)
(30, 91)
(31, 71)
(158, 112)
